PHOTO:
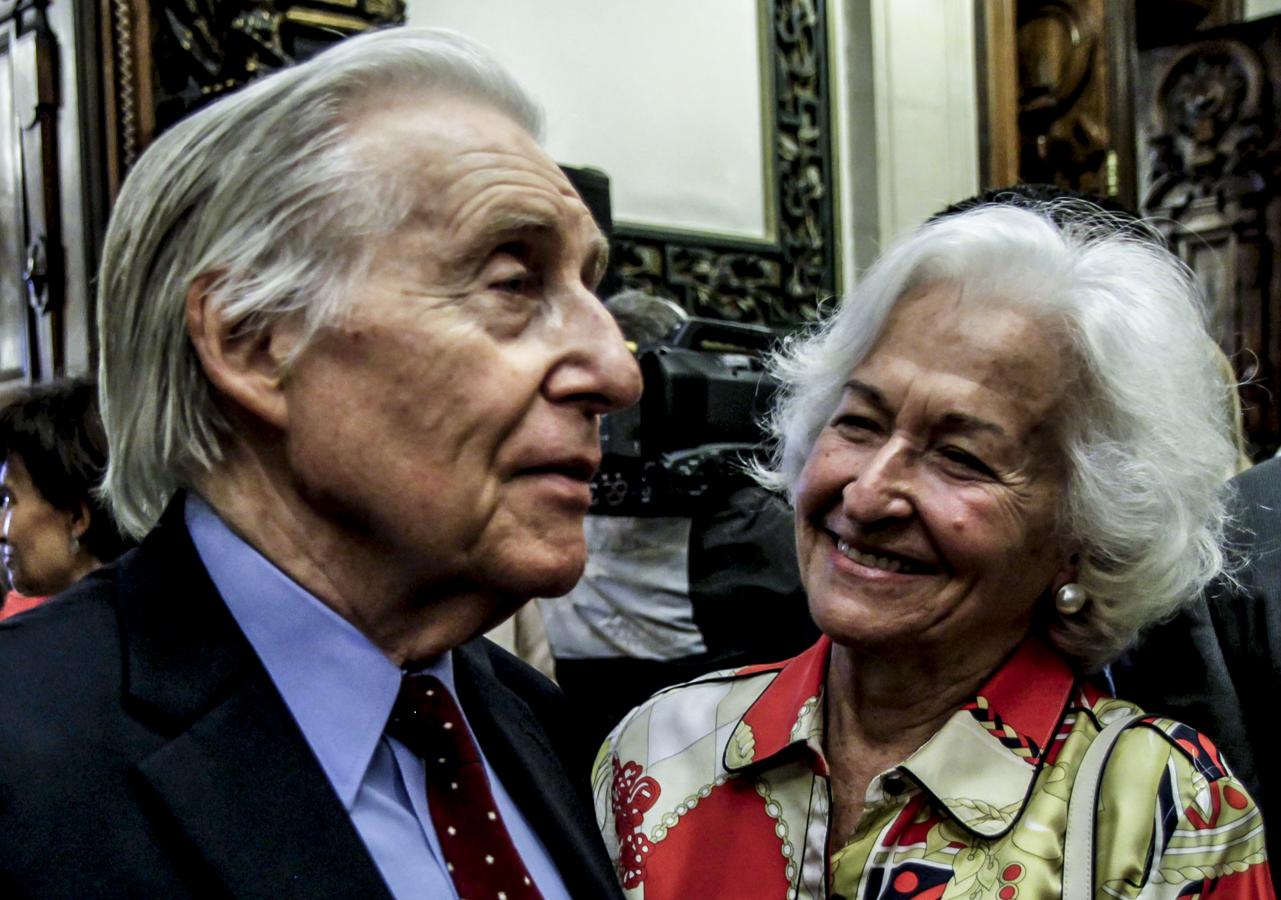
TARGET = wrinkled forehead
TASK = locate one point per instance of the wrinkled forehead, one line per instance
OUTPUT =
(988, 341)
(456, 158)
(413, 128)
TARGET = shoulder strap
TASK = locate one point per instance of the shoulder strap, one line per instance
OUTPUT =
(1078, 845)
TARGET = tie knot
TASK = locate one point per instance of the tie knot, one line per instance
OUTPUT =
(426, 719)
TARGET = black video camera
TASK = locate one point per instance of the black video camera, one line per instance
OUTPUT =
(705, 397)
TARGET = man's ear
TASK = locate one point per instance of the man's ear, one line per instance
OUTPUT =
(244, 366)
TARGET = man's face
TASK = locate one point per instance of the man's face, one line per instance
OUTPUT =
(448, 426)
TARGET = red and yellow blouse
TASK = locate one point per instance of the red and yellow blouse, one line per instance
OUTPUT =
(719, 789)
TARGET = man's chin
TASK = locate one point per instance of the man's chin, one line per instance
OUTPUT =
(546, 565)
(551, 582)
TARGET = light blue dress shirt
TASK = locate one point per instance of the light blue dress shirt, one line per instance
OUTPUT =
(340, 689)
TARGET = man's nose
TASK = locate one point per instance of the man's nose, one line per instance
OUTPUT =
(883, 486)
(598, 370)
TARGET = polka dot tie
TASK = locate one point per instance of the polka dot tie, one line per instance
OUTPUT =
(479, 853)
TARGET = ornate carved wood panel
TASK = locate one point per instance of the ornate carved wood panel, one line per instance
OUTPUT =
(31, 229)
(14, 314)
(1064, 117)
(169, 57)
(1073, 81)
(1210, 167)
(779, 283)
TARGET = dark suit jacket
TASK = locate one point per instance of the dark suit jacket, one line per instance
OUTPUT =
(144, 751)
(1217, 666)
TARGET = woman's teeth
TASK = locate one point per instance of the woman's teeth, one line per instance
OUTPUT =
(867, 559)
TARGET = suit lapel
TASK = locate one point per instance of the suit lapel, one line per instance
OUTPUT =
(521, 753)
(236, 775)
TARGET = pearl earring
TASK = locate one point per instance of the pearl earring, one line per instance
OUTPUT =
(1070, 599)
(75, 545)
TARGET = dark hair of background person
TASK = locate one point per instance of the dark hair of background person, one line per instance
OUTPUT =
(1034, 196)
(56, 430)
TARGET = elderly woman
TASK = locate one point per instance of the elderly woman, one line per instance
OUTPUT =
(54, 452)
(1005, 454)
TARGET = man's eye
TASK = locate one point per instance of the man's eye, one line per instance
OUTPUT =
(516, 284)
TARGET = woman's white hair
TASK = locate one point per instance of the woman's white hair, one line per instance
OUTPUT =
(264, 195)
(1144, 428)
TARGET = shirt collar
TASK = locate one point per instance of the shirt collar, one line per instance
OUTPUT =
(980, 765)
(337, 684)
(788, 711)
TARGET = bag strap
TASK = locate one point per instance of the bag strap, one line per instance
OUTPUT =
(1078, 844)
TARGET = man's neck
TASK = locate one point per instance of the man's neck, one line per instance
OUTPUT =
(344, 569)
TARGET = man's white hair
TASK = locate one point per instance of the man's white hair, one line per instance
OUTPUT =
(1143, 428)
(262, 194)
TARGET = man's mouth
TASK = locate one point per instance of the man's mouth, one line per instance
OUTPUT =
(579, 469)
(883, 560)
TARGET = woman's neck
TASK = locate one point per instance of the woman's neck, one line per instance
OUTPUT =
(881, 707)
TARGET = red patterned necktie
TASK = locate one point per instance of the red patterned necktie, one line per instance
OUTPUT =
(479, 853)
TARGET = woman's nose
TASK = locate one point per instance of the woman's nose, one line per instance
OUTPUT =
(882, 488)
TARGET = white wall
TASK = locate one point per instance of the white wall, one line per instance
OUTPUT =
(1257, 9)
(926, 108)
(619, 78)
(664, 95)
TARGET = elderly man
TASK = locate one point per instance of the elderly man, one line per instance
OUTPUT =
(350, 349)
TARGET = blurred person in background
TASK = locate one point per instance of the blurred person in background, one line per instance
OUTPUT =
(671, 594)
(55, 529)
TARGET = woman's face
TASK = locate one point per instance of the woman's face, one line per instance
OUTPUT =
(36, 540)
(926, 510)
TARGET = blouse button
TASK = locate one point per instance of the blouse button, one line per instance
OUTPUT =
(893, 785)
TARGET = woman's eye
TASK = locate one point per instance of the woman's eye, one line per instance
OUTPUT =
(967, 461)
(856, 423)
(858, 429)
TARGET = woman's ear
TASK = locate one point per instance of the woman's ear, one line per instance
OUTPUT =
(245, 366)
(1069, 573)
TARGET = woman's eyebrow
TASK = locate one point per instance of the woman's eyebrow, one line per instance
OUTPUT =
(952, 422)
(964, 423)
(869, 393)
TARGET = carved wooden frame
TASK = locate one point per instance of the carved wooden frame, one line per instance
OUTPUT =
(129, 118)
(129, 115)
(779, 281)
(998, 92)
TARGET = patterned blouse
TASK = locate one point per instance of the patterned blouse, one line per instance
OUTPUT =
(719, 789)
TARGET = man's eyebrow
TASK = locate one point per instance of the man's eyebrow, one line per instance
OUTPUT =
(598, 260)
(511, 223)
(498, 228)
